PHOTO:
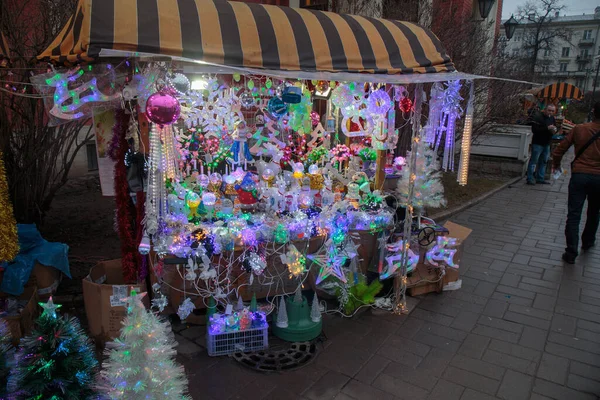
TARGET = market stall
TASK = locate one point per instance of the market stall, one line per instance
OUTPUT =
(241, 189)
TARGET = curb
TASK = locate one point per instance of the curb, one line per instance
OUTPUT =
(449, 213)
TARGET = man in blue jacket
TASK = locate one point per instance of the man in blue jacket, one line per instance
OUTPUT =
(543, 128)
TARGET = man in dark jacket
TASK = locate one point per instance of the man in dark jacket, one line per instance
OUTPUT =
(585, 183)
(543, 127)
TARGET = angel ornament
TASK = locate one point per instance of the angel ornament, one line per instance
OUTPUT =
(240, 148)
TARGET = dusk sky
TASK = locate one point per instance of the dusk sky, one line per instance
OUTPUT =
(573, 7)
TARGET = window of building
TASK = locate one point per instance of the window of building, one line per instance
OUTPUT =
(515, 52)
(544, 69)
(563, 67)
(585, 53)
(580, 67)
(546, 52)
(579, 82)
(566, 51)
(587, 34)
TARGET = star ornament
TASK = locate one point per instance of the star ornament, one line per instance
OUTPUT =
(329, 264)
(50, 308)
(134, 299)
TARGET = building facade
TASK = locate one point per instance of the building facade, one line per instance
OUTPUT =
(574, 60)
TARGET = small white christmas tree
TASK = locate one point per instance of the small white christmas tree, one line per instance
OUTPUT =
(282, 317)
(141, 362)
(315, 313)
(298, 296)
(428, 190)
(240, 304)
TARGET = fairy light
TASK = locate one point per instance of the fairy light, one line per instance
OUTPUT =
(465, 147)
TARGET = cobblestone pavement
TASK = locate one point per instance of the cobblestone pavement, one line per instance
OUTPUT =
(523, 325)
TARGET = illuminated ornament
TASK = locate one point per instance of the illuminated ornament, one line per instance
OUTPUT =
(330, 263)
(247, 100)
(379, 103)
(185, 309)
(443, 251)
(250, 84)
(295, 261)
(202, 180)
(280, 234)
(49, 308)
(315, 118)
(179, 83)
(268, 83)
(209, 200)
(298, 170)
(394, 262)
(322, 86)
(405, 105)
(268, 176)
(246, 190)
(162, 108)
(193, 201)
(465, 147)
(160, 302)
(68, 101)
(277, 107)
(144, 247)
(254, 263)
(237, 77)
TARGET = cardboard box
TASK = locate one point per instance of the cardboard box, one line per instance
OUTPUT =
(22, 325)
(426, 279)
(46, 279)
(103, 292)
(461, 233)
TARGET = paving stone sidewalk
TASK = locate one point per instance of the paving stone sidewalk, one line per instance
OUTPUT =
(523, 325)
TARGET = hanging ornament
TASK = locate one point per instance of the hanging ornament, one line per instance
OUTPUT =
(268, 83)
(279, 90)
(237, 77)
(185, 309)
(379, 103)
(443, 251)
(250, 84)
(405, 105)
(162, 108)
(394, 260)
(179, 83)
(322, 86)
(277, 107)
(295, 261)
(315, 118)
(247, 100)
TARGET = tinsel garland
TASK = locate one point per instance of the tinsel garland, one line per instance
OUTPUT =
(125, 208)
(8, 225)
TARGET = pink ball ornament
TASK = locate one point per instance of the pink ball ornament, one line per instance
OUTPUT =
(315, 118)
(162, 108)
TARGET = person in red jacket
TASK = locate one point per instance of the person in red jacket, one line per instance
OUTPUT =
(584, 184)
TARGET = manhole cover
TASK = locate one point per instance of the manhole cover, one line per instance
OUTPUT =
(281, 356)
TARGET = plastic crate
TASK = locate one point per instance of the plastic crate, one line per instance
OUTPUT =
(221, 344)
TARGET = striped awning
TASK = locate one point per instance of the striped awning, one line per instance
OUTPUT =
(557, 91)
(244, 35)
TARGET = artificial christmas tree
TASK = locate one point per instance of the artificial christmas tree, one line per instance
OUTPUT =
(56, 362)
(141, 362)
(282, 317)
(6, 356)
(428, 191)
(315, 312)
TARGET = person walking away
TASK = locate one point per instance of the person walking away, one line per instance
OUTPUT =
(543, 127)
(584, 184)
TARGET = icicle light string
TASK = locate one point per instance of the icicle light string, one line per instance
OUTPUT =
(465, 147)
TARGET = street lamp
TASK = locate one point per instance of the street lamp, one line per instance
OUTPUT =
(510, 26)
(485, 6)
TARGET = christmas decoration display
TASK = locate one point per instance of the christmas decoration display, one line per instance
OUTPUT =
(141, 363)
(257, 195)
(57, 361)
(8, 225)
(443, 252)
(299, 321)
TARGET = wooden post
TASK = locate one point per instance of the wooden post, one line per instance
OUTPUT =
(380, 171)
